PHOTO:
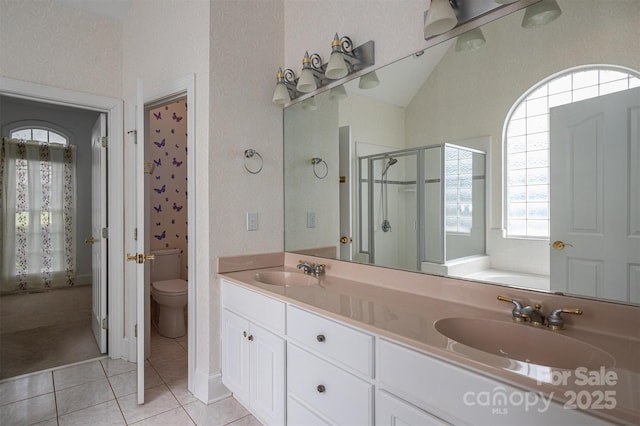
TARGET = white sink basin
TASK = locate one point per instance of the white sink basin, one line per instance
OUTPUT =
(286, 279)
(523, 342)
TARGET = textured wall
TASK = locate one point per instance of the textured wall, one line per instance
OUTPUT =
(168, 194)
(60, 46)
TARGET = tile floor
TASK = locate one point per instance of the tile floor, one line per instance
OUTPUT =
(103, 392)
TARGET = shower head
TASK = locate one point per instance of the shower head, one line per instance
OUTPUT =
(390, 163)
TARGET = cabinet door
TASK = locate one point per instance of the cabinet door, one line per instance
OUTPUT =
(267, 377)
(235, 354)
(392, 411)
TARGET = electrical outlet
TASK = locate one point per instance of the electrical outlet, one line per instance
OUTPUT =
(311, 219)
(252, 221)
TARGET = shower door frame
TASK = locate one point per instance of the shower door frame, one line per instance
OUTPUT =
(420, 219)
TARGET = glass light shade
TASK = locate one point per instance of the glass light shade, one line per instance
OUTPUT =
(440, 18)
(307, 82)
(338, 93)
(281, 94)
(369, 81)
(541, 13)
(337, 67)
(469, 41)
(309, 104)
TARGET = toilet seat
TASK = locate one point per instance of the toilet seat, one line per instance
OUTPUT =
(170, 287)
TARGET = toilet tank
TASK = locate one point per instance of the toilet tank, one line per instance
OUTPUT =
(166, 265)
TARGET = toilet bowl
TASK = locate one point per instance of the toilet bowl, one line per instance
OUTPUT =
(169, 293)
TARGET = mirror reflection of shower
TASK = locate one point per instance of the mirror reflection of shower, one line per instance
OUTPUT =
(433, 199)
(384, 198)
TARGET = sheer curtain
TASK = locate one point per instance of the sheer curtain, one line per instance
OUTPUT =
(38, 209)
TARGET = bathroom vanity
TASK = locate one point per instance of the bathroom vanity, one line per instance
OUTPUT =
(358, 346)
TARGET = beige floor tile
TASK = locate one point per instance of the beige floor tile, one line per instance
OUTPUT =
(156, 400)
(105, 414)
(26, 387)
(172, 370)
(246, 421)
(175, 417)
(167, 352)
(127, 383)
(117, 366)
(29, 411)
(218, 413)
(77, 375)
(83, 396)
(180, 390)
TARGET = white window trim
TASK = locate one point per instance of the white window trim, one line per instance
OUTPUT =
(14, 126)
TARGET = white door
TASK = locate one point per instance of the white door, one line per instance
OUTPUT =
(344, 171)
(140, 241)
(98, 223)
(595, 197)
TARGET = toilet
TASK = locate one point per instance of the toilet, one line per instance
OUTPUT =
(169, 292)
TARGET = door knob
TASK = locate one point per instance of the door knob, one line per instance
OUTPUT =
(345, 240)
(559, 245)
(90, 240)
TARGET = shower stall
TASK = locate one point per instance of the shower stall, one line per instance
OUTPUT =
(421, 208)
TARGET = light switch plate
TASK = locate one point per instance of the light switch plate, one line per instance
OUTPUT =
(311, 219)
(252, 221)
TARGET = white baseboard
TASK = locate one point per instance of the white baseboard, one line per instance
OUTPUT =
(208, 388)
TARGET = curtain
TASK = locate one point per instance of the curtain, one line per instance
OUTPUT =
(38, 209)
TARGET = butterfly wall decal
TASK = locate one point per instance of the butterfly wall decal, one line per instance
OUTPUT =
(158, 209)
(161, 189)
(176, 162)
(158, 162)
(161, 236)
(158, 115)
(161, 143)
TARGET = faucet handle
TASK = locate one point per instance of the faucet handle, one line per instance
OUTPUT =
(517, 308)
(556, 322)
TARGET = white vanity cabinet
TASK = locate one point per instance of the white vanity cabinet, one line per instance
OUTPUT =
(329, 371)
(446, 393)
(253, 356)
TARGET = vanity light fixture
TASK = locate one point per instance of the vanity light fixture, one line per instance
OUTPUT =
(369, 81)
(281, 94)
(307, 82)
(345, 59)
(338, 93)
(439, 18)
(541, 13)
(309, 104)
(337, 67)
(470, 41)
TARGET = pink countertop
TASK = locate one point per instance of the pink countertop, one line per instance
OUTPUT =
(404, 306)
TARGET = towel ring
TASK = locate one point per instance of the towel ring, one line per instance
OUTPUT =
(315, 161)
(250, 153)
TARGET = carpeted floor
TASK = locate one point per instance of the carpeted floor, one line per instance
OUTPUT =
(40, 331)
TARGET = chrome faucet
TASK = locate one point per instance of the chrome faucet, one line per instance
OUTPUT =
(533, 314)
(307, 268)
(311, 268)
(556, 322)
(517, 308)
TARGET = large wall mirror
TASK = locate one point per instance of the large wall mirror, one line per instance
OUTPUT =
(514, 163)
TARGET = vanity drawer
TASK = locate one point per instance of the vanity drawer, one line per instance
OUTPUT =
(254, 306)
(343, 398)
(340, 343)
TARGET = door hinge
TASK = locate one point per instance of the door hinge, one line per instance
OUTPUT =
(105, 141)
(135, 234)
(105, 233)
(135, 330)
(105, 323)
(135, 135)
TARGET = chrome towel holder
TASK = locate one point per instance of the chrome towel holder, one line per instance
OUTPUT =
(251, 153)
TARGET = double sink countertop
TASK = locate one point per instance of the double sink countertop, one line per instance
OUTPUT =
(405, 307)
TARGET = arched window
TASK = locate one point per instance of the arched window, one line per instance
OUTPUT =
(526, 141)
(40, 134)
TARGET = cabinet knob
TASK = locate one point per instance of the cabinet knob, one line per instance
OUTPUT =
(244, 334)
(250, 337)
(320, 338)
(321, 388)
